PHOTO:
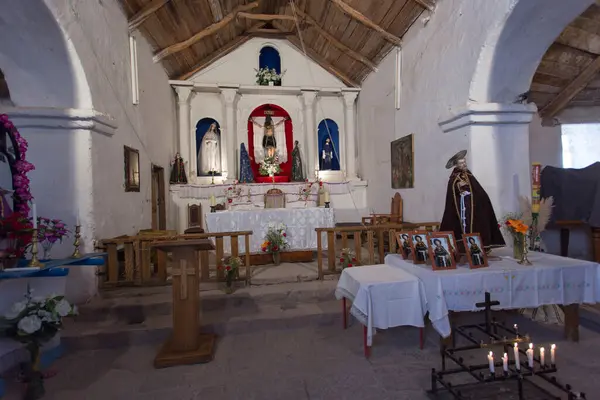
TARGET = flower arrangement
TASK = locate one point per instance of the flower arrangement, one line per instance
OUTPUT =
(536, 220)
(50, 231)
(305, 192)
(16, 230)
(270, 166)
(230, 265)
(34, 322)
(275, 240)
(513, 225)
(232, 192)
(22, 194)
(266, 75)
(348, 258)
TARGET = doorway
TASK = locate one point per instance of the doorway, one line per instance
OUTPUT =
(159, 215)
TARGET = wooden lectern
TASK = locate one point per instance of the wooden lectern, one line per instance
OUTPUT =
(186, 345)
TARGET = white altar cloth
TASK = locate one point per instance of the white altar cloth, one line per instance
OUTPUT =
(383, 297)
(300, 222)
(550, 280)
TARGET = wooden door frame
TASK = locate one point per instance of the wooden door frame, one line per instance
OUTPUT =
(159, 196)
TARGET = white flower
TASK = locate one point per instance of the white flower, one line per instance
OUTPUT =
(74, 311)
(63, 308)
(15, 310)
(45, 316)
(30, 324)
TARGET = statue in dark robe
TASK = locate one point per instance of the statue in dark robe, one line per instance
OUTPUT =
(178, 171)
(297, 172)
(468, 208)
(269, 143)
(327, 155)
(246, 174)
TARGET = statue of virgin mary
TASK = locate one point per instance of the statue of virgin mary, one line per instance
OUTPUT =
(209, 156)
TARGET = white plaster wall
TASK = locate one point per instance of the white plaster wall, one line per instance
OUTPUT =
(239, 66)
(99, 32)
(545, 144)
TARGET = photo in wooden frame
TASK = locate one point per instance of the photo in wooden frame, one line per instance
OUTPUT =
(404, 247)
(419, 246)
(454, 247)
(440, 251)
(475, 252)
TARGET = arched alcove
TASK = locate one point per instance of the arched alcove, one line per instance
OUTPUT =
(9, 155)
(202, 126)
(269, 57)
(329, 129)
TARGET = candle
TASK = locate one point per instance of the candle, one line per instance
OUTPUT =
(542, 356)
(517, 359)
(34, 212)
(530, 355)
(213, 201)
(516, 329)
(326, 197)
(491, 362)
(505, 362)
(552, 354)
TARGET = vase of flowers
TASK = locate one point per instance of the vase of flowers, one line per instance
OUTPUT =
(268, 77)
(275, 241)
(515, 227)
(304, 193)
(34, 322)
(348, 259)
(231, 267)
(50, 231)
(270, 166)
(15, 235)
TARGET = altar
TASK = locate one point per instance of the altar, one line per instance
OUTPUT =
(300, 222)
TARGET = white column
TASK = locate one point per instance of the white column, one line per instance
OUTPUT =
(497, 149)
(186, 147)
(350, 137)
(311, 132)
(228, 135)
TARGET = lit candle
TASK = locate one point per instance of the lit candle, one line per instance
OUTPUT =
(552, 354)
(516, 329)
(517, 359)
(491, 362)
(505, 362)
(326, 197)
(542, 356)
(530, 355)
(213, 201)
(34, 212)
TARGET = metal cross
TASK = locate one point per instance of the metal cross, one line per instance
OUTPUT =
(487, 304)
(183, 271)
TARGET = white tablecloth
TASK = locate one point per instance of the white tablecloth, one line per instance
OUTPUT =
(550, 280)
(300, 222)
(383, 297)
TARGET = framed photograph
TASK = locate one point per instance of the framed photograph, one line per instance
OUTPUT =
(475, 252)
(440, 251)
(403, 162)
(404, 247)
(419, 247)
(452, 242)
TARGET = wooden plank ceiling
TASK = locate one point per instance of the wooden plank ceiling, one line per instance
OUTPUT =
(346, 37)
(568, 75)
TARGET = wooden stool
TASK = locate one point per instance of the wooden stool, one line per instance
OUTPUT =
(186, 345)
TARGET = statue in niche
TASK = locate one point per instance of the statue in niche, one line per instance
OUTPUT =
(468, 207)
(297, 172)
(178, 171)
(269, 138)
(246, 174)
(209, 156)
(327, 155)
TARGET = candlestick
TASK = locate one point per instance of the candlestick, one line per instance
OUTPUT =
(542, 356)
(34, 213)
(491, 362)
(34, 263)
(552, 354)
(77, 243)
(505, 362)
(327, 204)
(529, 353)
(517, 358)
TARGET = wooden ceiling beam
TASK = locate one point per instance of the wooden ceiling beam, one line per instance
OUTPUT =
(567, 94)
(216, 9)
(265, 17)
(146, 12)
(211, 58)
(427, 4)
(210, 30)
(366, 21)
(322, 62)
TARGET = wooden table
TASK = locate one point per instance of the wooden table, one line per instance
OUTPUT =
(186, 345)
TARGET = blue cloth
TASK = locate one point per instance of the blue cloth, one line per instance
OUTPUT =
(246, 174)
(52, 267)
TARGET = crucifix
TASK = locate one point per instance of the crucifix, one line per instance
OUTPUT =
(487, 304)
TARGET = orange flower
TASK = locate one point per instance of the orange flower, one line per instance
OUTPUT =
(518, 226)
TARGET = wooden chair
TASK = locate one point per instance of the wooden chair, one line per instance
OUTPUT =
(274, 198)
(194, 215)
(394, 217)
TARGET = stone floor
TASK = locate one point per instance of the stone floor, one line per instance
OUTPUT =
(276, 342)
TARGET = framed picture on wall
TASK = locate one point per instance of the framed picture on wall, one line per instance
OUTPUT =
(403, 159)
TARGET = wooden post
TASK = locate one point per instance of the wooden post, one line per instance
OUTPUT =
(186, 345)
(112, 267)
(331, 256)
(319, 254)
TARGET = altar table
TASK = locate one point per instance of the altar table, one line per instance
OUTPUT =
(383, 297)
(550, 280)
(300, 222)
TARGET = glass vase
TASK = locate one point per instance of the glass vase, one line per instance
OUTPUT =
(276, 258)
(47, 246)
(518, 247)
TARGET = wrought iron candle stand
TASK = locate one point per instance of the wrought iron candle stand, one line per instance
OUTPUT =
(524, 383)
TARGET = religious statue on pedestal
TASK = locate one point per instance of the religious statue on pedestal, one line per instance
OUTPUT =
(297, 173)
(269, 138)
(327, 155)
(246, 174)
(468, 208)
(209, 156)
(178, 171)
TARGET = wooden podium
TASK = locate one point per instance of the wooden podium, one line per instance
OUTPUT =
(186, 345)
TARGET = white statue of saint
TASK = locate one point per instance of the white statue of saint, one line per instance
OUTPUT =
(278, 126)
(209, 156)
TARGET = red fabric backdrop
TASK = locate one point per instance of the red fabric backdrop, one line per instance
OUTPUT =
(286, 168)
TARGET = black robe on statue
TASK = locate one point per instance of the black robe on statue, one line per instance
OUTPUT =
(480, 216)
